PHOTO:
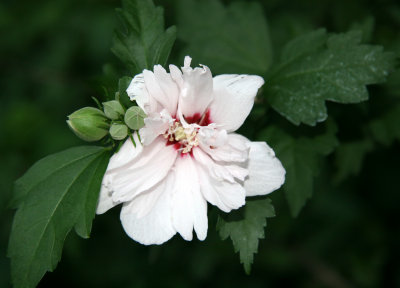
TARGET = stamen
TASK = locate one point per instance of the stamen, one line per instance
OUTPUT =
(184, 138)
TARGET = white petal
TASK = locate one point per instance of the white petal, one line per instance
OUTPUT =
(137, 176)
(226, 195)
(236, 149)
(156, 124)
(176, 75)
(266, 172)
(105, 201)
(162, 88)
(155, 227)
(237, 172)
(196, 90)
(143, 203)
(189, 206)
(220, 172)
(137, 91)
(233, 99)
(128, 152)
(210, 136)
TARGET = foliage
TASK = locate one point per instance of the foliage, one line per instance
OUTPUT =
(386, 129)
(301, 157)
(241, 42)
(142, 43)
(314, 68)
(58, 193)
(245, 234)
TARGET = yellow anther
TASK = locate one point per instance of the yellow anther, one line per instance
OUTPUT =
(180, 134)
(177, 133)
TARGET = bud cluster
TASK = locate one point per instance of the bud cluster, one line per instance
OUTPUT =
(92, 124)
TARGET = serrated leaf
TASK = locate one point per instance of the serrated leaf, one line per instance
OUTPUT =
(142, 41)
(56, 194)
(245, 234)
(316, 68)
(350, 156)
(301, 158)
(233, 39)
(134, 118)
(302, 45)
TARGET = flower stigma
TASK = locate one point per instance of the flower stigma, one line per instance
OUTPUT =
(183, 139)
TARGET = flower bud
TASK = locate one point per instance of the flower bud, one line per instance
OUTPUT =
(134, 118)
(113, 109)
(118, 131)
(89, 124)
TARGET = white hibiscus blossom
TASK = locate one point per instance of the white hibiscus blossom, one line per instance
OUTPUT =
(189, 154)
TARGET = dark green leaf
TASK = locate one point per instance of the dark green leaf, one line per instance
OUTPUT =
(366, 26)
(350, 157)
(106, 83)
(386, 129)
(57, 193)
(142, 41)
(246, 233)
(122, 96)
(233, 39)
(316, 68)
(301, 158)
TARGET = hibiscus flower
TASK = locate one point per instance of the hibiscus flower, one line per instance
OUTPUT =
(188, 154)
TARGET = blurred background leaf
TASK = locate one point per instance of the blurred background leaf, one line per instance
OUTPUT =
(232, 39)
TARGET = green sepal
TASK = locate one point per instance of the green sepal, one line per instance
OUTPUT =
(118, 131)
(113, 109)
(134, 118)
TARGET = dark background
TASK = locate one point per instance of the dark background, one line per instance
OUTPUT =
(52, 54)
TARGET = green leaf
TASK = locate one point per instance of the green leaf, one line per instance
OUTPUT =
(134, 118)
(106, 83)
(366, 26)
(56, 194)
(301, 158)
(122, 96)
(350, 156)
(315, 68)
(233, 39)
(386, 129)
(245, 234)
(142, 41)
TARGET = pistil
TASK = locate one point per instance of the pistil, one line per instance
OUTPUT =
(181, 138)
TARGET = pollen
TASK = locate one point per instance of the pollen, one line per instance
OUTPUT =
(182, 138)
